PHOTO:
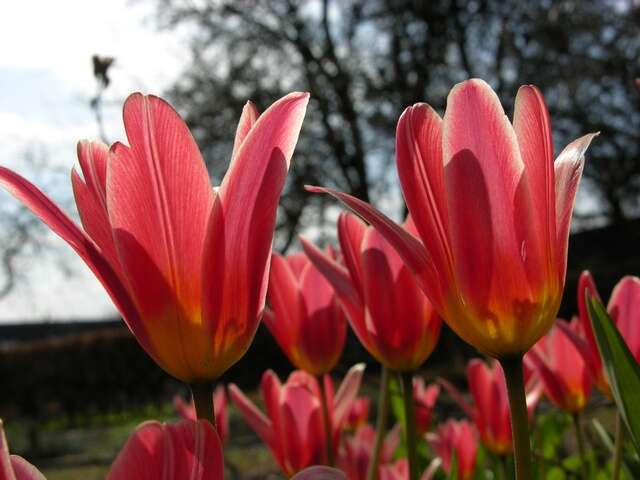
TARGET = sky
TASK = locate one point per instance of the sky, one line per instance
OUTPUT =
(46, 82)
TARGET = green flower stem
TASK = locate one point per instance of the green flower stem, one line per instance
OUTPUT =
(406, 379)
(328, 431)
(202, 393)
(618, 448)
(580, 441)
(381, 423)
(519, 418)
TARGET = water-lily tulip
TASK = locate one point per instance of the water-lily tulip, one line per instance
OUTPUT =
(492, 211)
(14, 467)
(562, 369)
(305, 317)
(356, 451)
(187, 450)
(624, 309)
(293, 427)
(457, 438)
(186, 265)
(490, 408)
(188, 411)
(425, 401)
(391, 316)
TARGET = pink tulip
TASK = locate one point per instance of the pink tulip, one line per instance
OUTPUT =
(306, 320)
(358, 414)
(562, 369)
(293, 428)
(188, 411)
(457, 438)
(355, 455)
(399, 470)
(14, 467)
(425, 401)
(186, 265)
(492, 211)
(490, 409)
(185, 450)
(624, 309)
(386, 309)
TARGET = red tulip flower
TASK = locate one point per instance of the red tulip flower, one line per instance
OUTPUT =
(459, 438)
(358, 414)
(293, 428)
(624, 309)
(490, 408)
(562, 369)
(425, 401)
(355, 454)
(188, 411)
(387, 310)
(188, 450)
(492, 211)
(305, 319)
(14, 467)
(186, 266)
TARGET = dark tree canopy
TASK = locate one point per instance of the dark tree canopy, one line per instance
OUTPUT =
(365, 61)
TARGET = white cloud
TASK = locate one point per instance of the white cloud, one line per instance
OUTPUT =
(46, 82)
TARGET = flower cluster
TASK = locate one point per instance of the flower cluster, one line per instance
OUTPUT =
(483, 249)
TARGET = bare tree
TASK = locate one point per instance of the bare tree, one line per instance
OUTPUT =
(364, 61)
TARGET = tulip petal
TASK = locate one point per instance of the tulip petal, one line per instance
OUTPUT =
(248, 119)
(186, 450)
(303, 439)
(240, 230)
(481, 388)
(90, 196)
(63, 226)
(532, 127)
(322, 328)
(581, 346)
(23, 470)
(420, 168)
(351, 231)
(483, 163)
(283, 293)
(254, 417)
(339, 278)
(6, 470)
(93, 157)
(162, 174)
(553, 388)
(568, 171)
(624, 308)
(347, 393)
(458, 397)
(410, 248)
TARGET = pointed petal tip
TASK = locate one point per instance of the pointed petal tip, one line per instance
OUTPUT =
(315, 189)
(359, 367)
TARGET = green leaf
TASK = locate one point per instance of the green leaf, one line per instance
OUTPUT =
(603, 435)
(622, 369)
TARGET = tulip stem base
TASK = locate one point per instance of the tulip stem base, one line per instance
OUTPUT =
(203, 400)
(580, 441)
(406, 379)
(381, 423)
(326, 421)
(514, 377)
(618, 447)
